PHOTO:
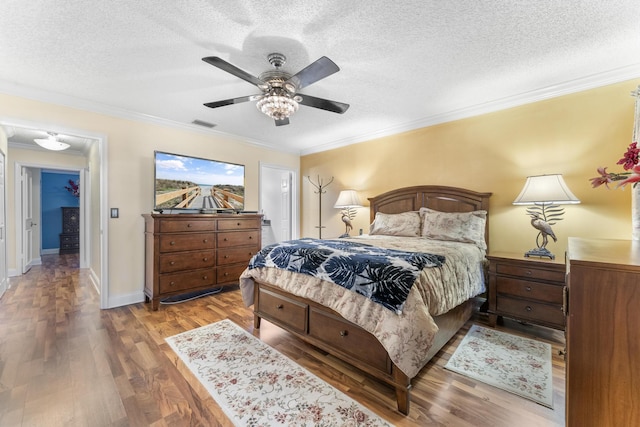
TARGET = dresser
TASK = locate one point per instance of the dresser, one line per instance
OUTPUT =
(190, 252)
(526, 289)
(70, 236)
(603, 333)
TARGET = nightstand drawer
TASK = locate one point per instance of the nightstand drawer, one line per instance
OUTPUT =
(533, 273)
(528, 310)
(529, 290)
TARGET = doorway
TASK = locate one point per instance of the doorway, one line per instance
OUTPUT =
(278, 203)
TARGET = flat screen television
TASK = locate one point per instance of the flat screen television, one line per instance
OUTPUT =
(193, 183)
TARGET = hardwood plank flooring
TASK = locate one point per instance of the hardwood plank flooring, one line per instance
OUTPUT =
(65, 362)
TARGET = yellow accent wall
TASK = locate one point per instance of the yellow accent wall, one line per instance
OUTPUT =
(571, 135)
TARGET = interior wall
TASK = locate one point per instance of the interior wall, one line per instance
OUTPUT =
(130, 147)
(572, 135)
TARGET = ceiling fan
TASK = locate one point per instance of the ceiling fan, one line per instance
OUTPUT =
(280, 98)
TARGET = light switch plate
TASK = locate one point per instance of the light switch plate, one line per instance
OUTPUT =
(115, 212)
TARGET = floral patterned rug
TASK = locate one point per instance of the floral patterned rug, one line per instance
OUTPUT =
(257, 386)
(518, 365)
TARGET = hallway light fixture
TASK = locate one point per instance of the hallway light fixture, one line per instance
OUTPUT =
(52, 143)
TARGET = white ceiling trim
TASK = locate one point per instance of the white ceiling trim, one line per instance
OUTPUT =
(566, 88)
(577, 85)
(13, 89)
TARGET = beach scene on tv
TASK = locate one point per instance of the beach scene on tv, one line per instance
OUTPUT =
(184, 182)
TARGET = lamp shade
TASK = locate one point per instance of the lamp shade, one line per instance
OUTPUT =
(347, 198)
(545, 189)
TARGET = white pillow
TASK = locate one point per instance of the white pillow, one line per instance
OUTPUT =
(466, 227)
(401, 224)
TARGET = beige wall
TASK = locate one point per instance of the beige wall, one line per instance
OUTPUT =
(571, 135)
(130, 146)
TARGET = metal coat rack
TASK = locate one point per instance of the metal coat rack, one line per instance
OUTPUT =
(320, 190)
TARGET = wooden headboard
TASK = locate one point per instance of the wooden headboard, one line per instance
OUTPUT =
(438, 197)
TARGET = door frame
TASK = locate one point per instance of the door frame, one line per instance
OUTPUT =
(295, 221)
(101, 281)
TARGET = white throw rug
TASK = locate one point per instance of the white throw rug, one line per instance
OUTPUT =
(258, 386)
(518, 365)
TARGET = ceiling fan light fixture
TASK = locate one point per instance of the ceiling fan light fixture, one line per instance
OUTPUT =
(52, 143)
(277, 106)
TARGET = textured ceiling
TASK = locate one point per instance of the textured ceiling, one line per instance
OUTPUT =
(403, 64)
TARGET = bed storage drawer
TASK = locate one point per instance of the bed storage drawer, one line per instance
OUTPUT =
(282, 310)
(349, 338)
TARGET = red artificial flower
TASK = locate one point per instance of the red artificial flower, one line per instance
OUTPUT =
(630, 158)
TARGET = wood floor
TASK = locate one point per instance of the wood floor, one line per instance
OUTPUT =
(65, 362)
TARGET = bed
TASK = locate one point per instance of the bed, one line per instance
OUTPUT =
(392, 346)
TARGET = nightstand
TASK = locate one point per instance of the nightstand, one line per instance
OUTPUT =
(526, 289)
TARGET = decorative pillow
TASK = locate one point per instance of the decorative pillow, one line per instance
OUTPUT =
(467, 227)
(402, 224)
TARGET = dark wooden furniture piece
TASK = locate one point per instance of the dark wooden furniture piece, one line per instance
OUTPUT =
(603, 333)
(190, 252)
(326, 329)
(526, 289)
(70, 236)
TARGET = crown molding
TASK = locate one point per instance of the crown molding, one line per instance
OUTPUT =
(578, 85)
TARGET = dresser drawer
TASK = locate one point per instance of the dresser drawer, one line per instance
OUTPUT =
(238, 238)
(236, 255)
(187, 280)
(187, 261)
(529, 310)
(530, 290)
(186, 241)
(349, 338)
(283, 310)
(531, 272)
(238, 224)
(182, 225)
(69, 239)
(230, 273)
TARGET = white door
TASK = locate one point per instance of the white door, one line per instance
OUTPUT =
(27, 217)
(3, 231)
(277, 204)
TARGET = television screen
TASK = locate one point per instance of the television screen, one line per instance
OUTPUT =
(185, 182)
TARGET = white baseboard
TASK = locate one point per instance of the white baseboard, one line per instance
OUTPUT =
(120, 300)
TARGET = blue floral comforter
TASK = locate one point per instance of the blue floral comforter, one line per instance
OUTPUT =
(383, 275)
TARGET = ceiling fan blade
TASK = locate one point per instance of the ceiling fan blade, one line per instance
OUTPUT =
(232, 69)
(224, 102)
(282, 122)
(313, 72)
(323, 104)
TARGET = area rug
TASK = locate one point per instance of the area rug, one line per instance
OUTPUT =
(255, 385)
(518, 365)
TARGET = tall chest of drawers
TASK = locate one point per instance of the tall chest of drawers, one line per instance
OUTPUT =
(70, 236)
(190, 252)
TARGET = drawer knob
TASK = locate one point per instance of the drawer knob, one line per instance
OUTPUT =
(205, 259)
(528, 308)
(172, 283)
(172, 263)
(225, 239)
(226, 274)
(250, 237)
(279, 306)
(189, 225)
(204, 240)
(238, 224)
(226, 256)
(528, 273)
(204, 277)
(172, 243)
(344, 333)
(528, 288)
